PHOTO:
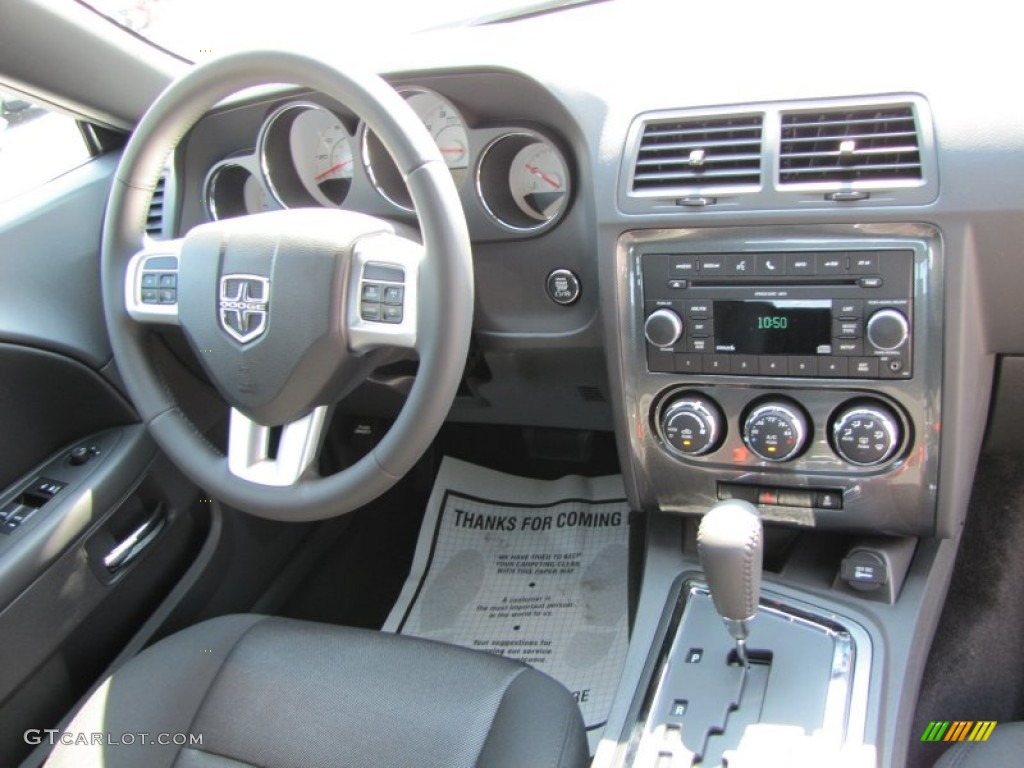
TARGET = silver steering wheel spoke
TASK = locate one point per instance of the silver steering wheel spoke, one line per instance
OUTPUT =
(249, 448)
(383, 295)
(151, 283)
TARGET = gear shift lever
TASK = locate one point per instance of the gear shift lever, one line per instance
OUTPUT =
(731, 549)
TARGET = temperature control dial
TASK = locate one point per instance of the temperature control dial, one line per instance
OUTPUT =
(692, 425)
(776, 431)
(866, 434)
(663, 327)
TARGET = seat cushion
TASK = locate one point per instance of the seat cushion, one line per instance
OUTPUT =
(276, 693)
(1005, 747)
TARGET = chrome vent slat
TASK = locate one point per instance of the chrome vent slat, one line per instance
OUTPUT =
(850, 144)
(712, 159)
(692, 174)
(677, 145)
(680, 155)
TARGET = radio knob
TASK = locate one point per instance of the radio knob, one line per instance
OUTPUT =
(866, 434)
(663, 327)
(776, 431)
(887, 329)
(692, 425)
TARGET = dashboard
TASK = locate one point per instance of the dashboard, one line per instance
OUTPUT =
(787, 287)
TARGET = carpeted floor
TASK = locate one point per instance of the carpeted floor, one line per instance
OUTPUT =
(975, 670)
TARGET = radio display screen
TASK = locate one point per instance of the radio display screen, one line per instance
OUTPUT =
(783, 327)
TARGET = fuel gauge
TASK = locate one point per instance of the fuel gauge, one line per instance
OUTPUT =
(537, 181)
(524, 182)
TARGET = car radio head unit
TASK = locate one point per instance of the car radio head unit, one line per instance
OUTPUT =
(822, 314)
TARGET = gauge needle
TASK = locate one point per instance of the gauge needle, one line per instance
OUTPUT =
(538, 172)
(332, 169)
(452, 150)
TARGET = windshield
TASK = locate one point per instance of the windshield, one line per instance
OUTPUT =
(200, 29)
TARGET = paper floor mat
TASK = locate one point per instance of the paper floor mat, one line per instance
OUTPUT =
(532, 570)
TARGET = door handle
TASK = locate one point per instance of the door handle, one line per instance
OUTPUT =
(136, 542)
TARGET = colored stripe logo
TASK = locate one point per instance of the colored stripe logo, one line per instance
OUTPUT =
(958, 730)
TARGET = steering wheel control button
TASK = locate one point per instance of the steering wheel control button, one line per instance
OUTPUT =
(692, 425)
(150, 296)
(371, 292)
(563, 287)
(866, 435)
(776, 431)
(150, 279)
(370, 312)
(393, 294)
(391, 313)
(664, 327)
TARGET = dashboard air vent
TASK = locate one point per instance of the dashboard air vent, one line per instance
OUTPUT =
(678, 155)
(155, 217)
(872, 144)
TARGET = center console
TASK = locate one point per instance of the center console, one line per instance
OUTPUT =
(796, 368)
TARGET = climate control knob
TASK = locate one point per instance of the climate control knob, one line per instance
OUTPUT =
(692, 425)
(776, 431)
(866, 434)
(663, 328)
(887, 329)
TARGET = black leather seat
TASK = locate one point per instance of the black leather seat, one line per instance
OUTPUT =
(274, 692)
(1004, 749)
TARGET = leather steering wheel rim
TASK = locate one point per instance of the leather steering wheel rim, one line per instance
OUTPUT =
(445, 280)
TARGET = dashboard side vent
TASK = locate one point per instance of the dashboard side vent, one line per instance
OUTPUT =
(707, 153)
(850, 144)
(155, 216)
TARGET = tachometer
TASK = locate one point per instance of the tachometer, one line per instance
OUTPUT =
(232, 190)
(306, 154)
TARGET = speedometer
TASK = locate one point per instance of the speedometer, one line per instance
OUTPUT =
(445, 125)
(306, 156)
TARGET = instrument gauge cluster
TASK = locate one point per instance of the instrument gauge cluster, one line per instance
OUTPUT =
(514, 181)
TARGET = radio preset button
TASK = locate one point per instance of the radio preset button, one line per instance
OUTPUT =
(833, 367)
(800, 264)
(864, 262)
(771, 264)
(830, 263)
(743, 365)
(772, 365)
(803, 366)
(716, 364)
(688, 363)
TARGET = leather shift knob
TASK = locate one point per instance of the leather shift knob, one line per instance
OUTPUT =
(731, 548)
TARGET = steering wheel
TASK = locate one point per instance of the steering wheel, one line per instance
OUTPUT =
(285, 309)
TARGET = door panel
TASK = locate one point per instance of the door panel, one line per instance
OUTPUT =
(78, 472)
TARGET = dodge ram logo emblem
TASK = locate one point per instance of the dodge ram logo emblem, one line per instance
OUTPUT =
(244, 306)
